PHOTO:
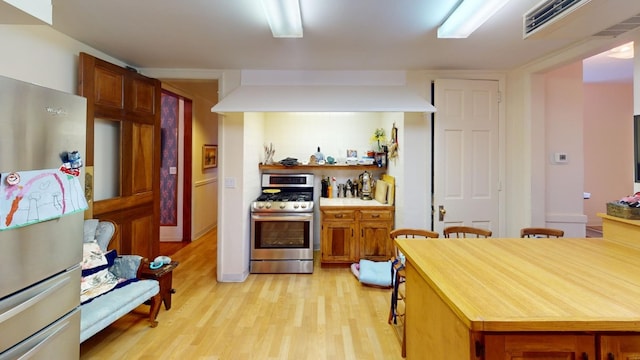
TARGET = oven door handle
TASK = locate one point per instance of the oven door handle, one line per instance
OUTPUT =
(298, 217)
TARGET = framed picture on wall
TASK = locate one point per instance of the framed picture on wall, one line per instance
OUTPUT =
(209, 156)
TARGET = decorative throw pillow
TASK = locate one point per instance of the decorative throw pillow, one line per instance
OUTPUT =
(96, 278)
(110, 256)
(92, 256)
(97, 284)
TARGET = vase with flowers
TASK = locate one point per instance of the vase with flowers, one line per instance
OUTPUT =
(378, 139)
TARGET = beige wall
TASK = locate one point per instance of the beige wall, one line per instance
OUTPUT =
(608, 146)
(564, 113)
(43, 56)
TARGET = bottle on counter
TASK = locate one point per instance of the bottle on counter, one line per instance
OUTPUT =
(334, 187)
(319, 155)
(325, 188)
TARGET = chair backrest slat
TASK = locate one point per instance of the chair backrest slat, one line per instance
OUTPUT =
(412, 233)
(541, 232)
(463, 231)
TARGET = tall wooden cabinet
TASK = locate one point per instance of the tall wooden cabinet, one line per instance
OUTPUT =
(130, 104)
(355, 231)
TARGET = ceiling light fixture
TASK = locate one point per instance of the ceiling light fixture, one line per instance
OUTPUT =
(624, 51)
(284, 18)
(468, 16)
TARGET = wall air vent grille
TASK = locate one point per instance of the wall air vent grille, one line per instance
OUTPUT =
(621, 27)
(546, 12)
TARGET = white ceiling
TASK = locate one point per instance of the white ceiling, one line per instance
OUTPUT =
(338, 35)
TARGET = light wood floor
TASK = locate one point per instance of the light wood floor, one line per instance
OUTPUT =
(324, 315)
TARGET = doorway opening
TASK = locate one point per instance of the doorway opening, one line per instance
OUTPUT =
(176, 163)
(608, 131)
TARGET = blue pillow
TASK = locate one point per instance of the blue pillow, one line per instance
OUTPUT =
(375, 272)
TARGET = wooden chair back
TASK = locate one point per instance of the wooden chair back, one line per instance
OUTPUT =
(406, 233)
(540, 232)
(466, 231)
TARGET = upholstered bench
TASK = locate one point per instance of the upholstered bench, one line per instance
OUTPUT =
(131, 291)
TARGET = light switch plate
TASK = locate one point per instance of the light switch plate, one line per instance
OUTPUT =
(230, 183)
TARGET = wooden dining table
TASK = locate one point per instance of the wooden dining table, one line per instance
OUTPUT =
(513, 298)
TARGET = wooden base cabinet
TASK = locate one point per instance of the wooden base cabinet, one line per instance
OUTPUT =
(562, 347)
(338, 236)
(375, 226)
(539, 346)
(349, 235)
(619, 347)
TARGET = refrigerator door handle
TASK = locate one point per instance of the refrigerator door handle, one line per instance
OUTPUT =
(34, 299)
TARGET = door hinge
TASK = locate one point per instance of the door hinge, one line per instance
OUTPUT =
(499, 96)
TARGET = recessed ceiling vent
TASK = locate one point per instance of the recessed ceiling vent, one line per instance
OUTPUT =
(579, 19)
(621, 28)
(547, 11)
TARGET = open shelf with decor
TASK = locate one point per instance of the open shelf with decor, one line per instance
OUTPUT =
(325, 166)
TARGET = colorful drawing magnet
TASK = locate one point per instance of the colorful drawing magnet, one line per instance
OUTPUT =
(13, 179)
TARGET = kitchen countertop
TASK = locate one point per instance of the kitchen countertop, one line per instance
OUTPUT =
(565, 284)
(347, 202)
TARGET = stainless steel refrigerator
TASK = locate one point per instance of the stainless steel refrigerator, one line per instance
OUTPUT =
(39, 259)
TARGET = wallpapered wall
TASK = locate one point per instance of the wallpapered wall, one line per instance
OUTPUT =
(168, 181)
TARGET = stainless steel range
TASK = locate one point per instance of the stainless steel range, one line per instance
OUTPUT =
(282, 225)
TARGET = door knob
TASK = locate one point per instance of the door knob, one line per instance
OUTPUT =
(441, 212)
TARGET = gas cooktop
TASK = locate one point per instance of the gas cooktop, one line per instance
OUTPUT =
(286, 196)
(285, 193)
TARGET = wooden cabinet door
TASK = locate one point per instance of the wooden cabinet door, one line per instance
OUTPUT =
(375, 243)
(539, 346)
(338, 241)
(620, 347)
(375, 226)
(132, 102)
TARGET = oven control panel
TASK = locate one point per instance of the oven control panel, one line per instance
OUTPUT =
(282, 206)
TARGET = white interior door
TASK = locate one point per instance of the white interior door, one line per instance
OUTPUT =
(466, 171)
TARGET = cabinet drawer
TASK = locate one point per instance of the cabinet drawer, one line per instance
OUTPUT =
(375, 215)
(328, 215)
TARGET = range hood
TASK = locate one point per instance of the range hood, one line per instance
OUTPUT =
(322, 98)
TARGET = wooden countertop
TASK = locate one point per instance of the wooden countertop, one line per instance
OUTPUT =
(619, 219)
(533, 284)
(351, 202)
